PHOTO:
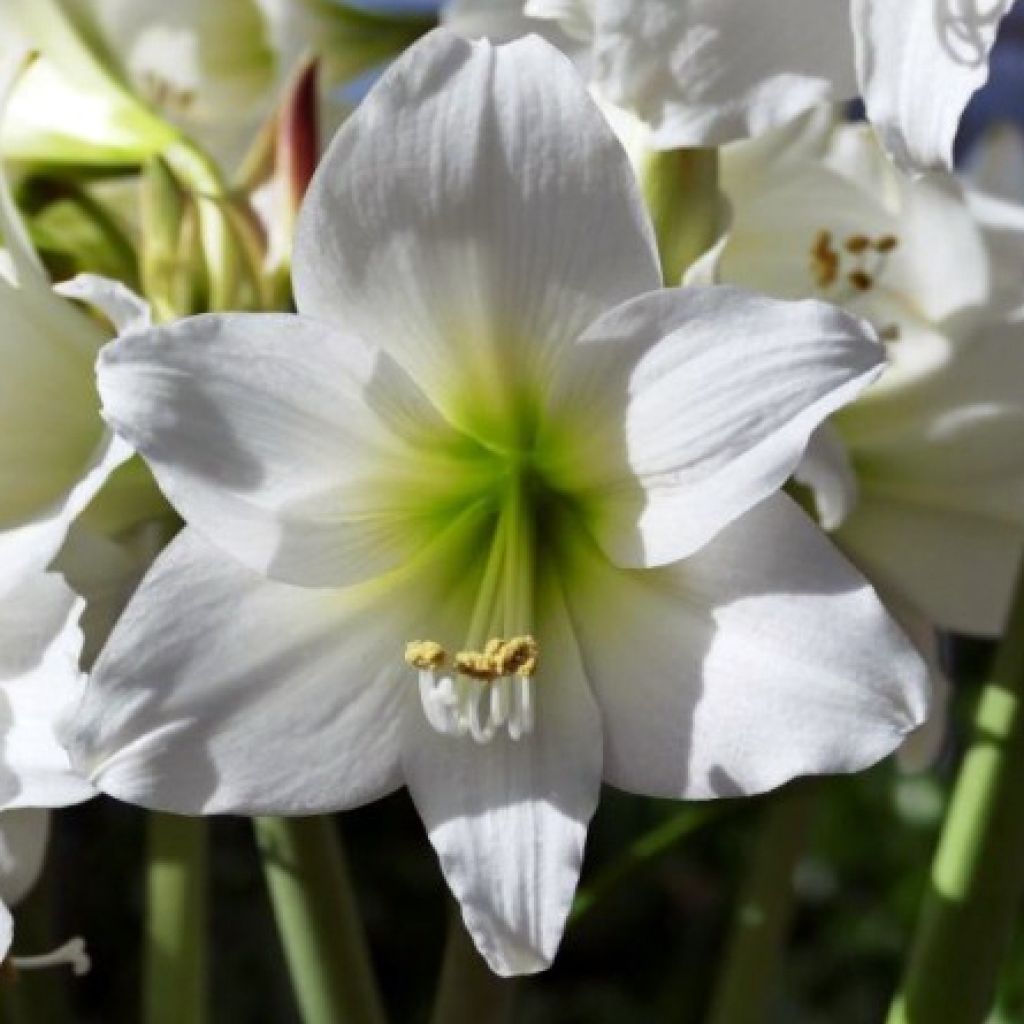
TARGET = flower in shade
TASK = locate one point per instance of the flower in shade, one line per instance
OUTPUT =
(701, 73)
(921, 479)
(494, 517)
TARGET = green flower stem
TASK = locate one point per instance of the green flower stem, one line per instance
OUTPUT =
(318, 920)
(643, 852)
(753, 956)
(681, 189)
(176, 882)
(973, 899)
(468, 992)
(198, 172)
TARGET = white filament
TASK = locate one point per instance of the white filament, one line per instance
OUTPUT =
(478, 708)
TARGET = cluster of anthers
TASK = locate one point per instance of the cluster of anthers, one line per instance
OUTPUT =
(864, 258)
(485, 690)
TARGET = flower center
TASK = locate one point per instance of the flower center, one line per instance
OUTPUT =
(488, 685)
(851, 266)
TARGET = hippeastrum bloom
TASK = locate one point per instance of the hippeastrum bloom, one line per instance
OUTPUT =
(703, 73)
(921, 480)
(493, 516)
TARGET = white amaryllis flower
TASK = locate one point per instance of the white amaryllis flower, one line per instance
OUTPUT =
(704, 72)
(493, 517)
(921, 480)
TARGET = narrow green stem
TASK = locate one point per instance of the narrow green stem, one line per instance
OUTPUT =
(973, 898)
(681, 189)
(318, 920)
(642, 853)
(220, 248)
(753, 956)
(176, 884)
(468, 992)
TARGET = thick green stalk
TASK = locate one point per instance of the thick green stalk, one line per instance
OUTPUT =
(318, 920)
(468, 992)
(750, 967)
(681, 189)
(973, 898)
(176, 889)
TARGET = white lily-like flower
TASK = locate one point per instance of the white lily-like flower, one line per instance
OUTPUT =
(704, 72)
(495, 516)
(921, 480)
(67, 107)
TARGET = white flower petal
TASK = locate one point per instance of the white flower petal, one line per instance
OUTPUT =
(299, 450)
(703, 72)
(958, 567)
(763, 657)
(32, 544)
(919, 62)
(55, 452)
(995, 164)
(472, 217)
(719, 391)
(122, 307)
(6, 931)
(509, 819)
(23, 836)
(826, 471)
(220, 690)
(1002, 224)
(40, 682)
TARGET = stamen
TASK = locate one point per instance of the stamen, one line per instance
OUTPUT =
(487, 690)
(73, 954)
(865, 260)
(424, 654)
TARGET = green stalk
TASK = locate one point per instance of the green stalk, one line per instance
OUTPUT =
(753, 957)
(468, 992)
(176, 884)
(973, 899)
(200, 175)
(318, 920)
(686, 207)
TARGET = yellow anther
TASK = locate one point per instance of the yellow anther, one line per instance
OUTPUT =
(517, 656)
(861, 280)
(424, 654)
(886, 243)
(858, 244)
(824, 260)
(890, 332)
(475, 665)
